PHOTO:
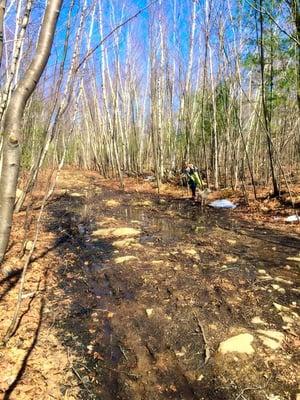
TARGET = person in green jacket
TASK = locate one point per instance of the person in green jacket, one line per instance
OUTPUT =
(193, 178)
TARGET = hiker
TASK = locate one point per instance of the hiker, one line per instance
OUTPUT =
(193, 178)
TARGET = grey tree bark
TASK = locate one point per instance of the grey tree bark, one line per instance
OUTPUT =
(13, 121)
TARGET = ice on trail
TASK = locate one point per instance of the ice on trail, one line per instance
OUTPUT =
(224, 203)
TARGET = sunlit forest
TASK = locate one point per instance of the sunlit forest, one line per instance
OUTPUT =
(149, 199)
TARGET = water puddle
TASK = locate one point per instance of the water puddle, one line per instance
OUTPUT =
(183, 260)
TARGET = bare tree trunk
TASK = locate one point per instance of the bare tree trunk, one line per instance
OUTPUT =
(187, 91)
(295, 11)
(18, 42)
(2, 12)
(266, 111)
(59, 107)
(111, 127)
(13, 121)
(215, 133)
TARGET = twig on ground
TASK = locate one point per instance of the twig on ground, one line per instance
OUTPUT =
(123, 352)
(76, 373)
(117, 371)
(206, 346)
(245, 390)
(252, 388)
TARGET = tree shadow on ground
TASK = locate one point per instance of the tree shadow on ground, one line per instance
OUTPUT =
(22, 369)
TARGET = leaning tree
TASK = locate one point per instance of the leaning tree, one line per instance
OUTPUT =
(12, 126)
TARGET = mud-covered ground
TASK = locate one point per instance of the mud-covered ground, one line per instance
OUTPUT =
(148, 293)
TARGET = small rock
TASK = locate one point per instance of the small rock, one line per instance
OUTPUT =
(162, 201)
(262, 271)
(112, 203)
(258, 321)
(275, 287)
(123, 243)
(29, 245)
(157, 262)
(76, 194)
(190, 252)
(297, 259)
(278, 288)
(237, 344)
(149, 312)
(281, 280)
(266, 277)
(231, 259)
(280, 307)
(124, 259)
(142, 203)
(231, 241)
(271, 339)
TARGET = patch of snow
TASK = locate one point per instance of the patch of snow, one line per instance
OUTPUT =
(292, 218)
(224, 203)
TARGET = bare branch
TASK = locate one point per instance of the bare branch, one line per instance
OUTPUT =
(92, 51)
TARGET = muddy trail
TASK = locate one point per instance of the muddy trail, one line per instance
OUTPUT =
(165, 301)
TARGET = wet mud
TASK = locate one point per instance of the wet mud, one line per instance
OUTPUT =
(145, 313)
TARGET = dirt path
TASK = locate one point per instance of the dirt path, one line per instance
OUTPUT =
(156, 288)
(149, 293)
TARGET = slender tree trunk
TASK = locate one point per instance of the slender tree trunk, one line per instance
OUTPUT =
(17, 52)
(204, 82)
(58, 109)
(187, 90)
(2, 12)
(295, 10)
(266, 111)
(13, 121)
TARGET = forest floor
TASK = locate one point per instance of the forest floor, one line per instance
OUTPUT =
(132, 298)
